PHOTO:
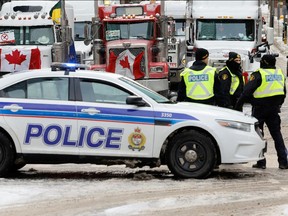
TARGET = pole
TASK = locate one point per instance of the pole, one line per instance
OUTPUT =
(272, 8)
(97, 42)
(64, 33)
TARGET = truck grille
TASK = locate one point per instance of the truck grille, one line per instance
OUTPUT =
(135, 52)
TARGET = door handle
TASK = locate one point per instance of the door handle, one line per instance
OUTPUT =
(13, 107)
(90, 111)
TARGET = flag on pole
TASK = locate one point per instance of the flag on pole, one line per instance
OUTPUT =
(55, 12)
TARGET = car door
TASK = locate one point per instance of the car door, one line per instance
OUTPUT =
(39, 112)
(108, 126)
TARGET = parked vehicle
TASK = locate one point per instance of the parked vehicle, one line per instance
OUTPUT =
(29, 39)
(176, 43)
(131, 39)
(224, 26)
(66, 115)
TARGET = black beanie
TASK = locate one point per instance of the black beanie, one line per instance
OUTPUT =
(201, 54)
(233, 56)
(268, 61)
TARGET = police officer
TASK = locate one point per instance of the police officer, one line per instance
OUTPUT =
(198, 82)
(266, 92)
(231, 81)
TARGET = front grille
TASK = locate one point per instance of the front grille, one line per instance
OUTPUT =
(135, 52)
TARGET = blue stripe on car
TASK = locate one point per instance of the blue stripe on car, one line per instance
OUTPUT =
(106, 114)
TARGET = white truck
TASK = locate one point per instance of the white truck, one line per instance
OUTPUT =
(224, 26)
(28, 37)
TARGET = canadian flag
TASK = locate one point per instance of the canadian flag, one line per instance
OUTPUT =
(19, 59)
(126, 64)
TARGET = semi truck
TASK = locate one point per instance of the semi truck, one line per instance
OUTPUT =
(176, 43)
(29, 39)
(224, 26)
(131, 39)
(83, 13)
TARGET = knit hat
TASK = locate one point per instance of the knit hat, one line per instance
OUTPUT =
(268, 60)
(201, 54)
(233, 56)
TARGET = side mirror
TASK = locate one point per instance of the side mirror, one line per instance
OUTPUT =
(87, 40)
(135, 100)
(171, 23)
(187, 35)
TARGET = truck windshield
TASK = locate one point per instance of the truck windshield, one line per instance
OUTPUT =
(116, 31)
(28, 35)
(220, 29)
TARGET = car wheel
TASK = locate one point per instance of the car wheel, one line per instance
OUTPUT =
(191, 154)
(6, 155)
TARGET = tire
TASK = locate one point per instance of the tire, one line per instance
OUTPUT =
(6, 155)
(191, 154)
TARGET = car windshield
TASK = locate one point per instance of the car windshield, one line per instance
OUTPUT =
(27, 35)
(116, 31)
(211, 29)
(150, 93)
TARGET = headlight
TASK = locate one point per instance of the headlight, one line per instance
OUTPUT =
(157, 69)
(235, 125)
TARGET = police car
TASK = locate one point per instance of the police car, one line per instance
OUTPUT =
(62, 116)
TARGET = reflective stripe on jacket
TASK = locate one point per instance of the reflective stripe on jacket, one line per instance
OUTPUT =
(235, 81)
(199, 84)
(272, 83)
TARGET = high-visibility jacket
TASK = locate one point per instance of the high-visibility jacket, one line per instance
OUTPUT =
(235, 81)
(199, 84)
(273, 82)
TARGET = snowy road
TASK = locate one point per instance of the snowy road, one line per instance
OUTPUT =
(90, 190)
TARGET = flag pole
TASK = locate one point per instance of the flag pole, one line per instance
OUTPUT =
(65, 40)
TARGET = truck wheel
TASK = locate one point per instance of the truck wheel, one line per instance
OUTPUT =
(6, 155)
(191, 154)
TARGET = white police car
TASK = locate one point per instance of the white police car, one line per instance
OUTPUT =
(98, 117)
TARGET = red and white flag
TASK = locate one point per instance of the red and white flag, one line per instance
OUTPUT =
(19, 59)
(126, 64)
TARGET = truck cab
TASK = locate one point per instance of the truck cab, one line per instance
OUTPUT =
(222, 27)
(132, 41)
(28, 35)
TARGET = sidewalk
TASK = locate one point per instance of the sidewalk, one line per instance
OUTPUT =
(278, 40)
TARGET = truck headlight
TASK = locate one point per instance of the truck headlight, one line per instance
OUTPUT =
(157, 69)
(235, 125)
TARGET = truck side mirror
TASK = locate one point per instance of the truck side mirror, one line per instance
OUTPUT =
(171, 23)
(87, 40)
(187, 34)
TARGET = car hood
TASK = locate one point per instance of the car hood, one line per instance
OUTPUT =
(200, 111)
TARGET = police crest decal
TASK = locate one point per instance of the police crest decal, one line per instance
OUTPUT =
(137, 140)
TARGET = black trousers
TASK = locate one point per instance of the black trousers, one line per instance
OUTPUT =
(270, 116)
